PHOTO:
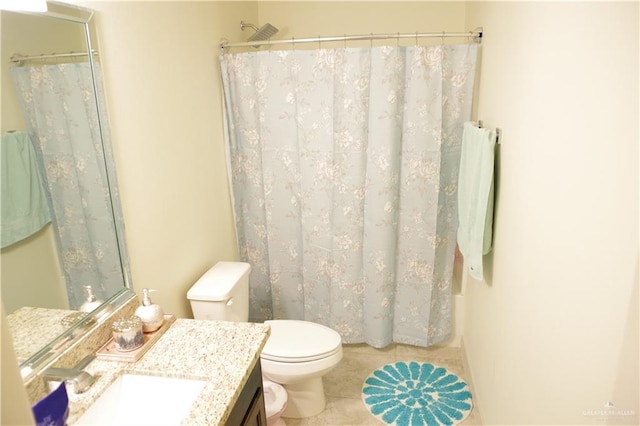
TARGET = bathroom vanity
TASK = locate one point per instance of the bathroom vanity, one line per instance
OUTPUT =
(224, 354)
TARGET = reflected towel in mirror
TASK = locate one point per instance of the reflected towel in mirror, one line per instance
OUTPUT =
(24, 205)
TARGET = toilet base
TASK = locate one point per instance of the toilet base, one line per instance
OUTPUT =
(305, 399)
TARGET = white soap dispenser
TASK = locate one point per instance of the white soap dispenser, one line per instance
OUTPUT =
(150, 313)
(91, 302)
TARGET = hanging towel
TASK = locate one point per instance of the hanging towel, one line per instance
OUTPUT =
(24, 206)
(475, 196)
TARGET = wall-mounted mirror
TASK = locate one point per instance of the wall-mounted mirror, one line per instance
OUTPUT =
(61, 223)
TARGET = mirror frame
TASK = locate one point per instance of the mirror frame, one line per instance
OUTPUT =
(40, 359)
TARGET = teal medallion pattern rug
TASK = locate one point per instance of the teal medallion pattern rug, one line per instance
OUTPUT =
(416, 394)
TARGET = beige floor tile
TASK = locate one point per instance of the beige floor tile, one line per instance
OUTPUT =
(417, 353)
(352, 412)
(346, 379)
(301, 422)
(472, 420)
(339, 412)
(364, 349)
(349, 411)
(343, 385)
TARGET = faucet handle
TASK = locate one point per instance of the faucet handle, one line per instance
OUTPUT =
(81, 382)
(76, 378)
(84, 362)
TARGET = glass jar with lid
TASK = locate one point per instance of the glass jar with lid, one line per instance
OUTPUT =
(127, 333)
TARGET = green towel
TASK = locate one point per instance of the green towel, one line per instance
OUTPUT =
(475, 196)
(24, 206)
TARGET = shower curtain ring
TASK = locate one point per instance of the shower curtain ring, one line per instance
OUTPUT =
(416, 38)
(398, 39)
(443, 37)
(345, 40)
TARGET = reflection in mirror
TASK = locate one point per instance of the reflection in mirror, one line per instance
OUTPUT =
(62, 242)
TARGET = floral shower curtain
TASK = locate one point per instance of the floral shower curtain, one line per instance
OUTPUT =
(60, 111)
(344, 167)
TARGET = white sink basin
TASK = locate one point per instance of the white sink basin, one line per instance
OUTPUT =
(143, 400)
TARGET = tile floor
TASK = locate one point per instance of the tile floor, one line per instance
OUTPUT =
(343, 385)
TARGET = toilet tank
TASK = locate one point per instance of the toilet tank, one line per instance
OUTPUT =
(222, 293)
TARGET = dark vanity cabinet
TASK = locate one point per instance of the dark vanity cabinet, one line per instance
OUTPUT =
(249, 409)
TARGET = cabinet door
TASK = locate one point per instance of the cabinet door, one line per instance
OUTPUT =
(256, 415)
(249, 408)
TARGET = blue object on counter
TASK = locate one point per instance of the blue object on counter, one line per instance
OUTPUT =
(53, 409)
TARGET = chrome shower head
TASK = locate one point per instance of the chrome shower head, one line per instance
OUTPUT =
(263, 33)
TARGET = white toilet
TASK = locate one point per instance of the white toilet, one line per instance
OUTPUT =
(297, 354)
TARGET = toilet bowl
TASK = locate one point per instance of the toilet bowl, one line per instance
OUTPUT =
(297, 353)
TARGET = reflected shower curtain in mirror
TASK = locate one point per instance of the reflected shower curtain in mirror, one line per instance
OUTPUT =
(60, 112)
(344, 166)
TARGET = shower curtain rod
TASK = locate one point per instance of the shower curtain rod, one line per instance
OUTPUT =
(17, 58)
(475, 34)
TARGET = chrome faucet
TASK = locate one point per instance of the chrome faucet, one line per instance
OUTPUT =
(76, 378)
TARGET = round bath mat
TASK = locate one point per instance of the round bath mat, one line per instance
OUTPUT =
(416, 394)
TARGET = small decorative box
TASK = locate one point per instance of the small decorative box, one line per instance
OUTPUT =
(111, 352)
(127, 333)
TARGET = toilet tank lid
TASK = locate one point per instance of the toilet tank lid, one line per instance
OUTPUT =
(218, 282)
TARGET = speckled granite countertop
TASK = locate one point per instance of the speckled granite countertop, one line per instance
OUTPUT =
(32, 328)
(223, 353)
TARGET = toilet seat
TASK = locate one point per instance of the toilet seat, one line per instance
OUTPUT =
(300, 341)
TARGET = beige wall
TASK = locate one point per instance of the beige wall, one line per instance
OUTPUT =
(330, 18)
(164, 99)
(547, 335)
(31, 35)
(15, 408)
(31, 275)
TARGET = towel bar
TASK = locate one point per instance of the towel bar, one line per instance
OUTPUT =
(498, 131)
